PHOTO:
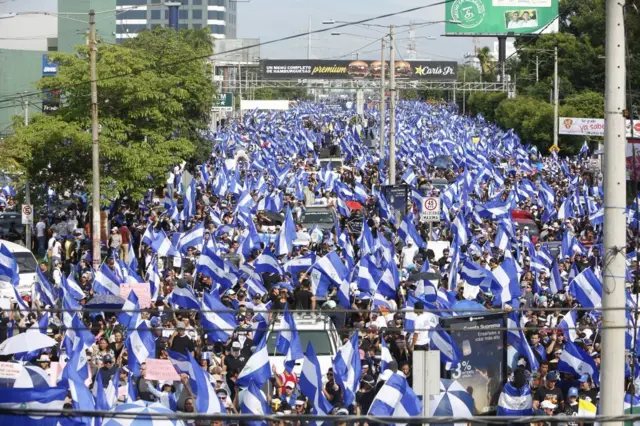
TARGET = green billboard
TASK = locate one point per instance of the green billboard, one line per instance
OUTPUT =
(501, 17)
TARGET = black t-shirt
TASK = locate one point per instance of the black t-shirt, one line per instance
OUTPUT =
(182, 344)
(364, 400)
(233, 363)
(336, 394)
(589, 395)
(555, 396)
(571, 410)
(303, 299)
(3, 328)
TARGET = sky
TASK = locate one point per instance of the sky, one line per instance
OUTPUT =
(273, 19)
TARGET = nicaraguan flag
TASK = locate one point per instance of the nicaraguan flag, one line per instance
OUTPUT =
(311, 383)
(515, 402)
(140, 345)
(575, 361)
(347, 369)
(517, 339)
(218, 321)
(395, 399)
(46, 293)
(408, 230)
(587, 289)
(207, 400)
(51, 399)
(184, 298)
(257, 369)
(268, 263)
(506, 286)
(442, 341)
(253, 401)
(193, 238)
(288, 342)
(106, 282)
(8, 267)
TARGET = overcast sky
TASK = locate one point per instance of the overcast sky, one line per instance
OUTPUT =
(273, 19)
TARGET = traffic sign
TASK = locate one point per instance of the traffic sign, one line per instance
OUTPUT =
(430, 210)
(27, 214)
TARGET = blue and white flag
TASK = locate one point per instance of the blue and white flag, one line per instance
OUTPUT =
(193, 238)
(408, 230)
(385, 355)
(189, 208)
(331, 266)
(106, 282)
(130, 310)
(253, 401)
(82, 400)
(569, 324)
(506, 286)
(288, 342)
(46, 293)
(218, 320)
(587, 289)
(347, 369)
(368, 275)
(555, 280)
(311, 383)
(575, 361)
(8, 267)
(257, 369)
(50, 399)
(442, 341)
(395, 399)
(460, 229)
(515, 402)
(286, 236)
(207, 401)
(162, 245)
(140, 345)
(153, 278)
(517, 339)
(184, 298)
(268, 263)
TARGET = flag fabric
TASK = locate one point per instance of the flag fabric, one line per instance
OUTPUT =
(8, 267)
(286, 236)
(514, 401)
(253, 401)
(408, 231)
(347, 369)
(288, 341)
(442, 341)
(140, 345)
(129, 311)
(587, 289)
(506, 286)
(257, 369)
(331, 266)
(268, 263)
(106, 282)
(311, 383)
(517, 339)
(52, 399)
(218, 321)
(184, 298)
(207, 401)
(193, 238)
(576, 361)
(395, 399)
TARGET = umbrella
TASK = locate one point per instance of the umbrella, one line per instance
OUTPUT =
(453, 400)
(354, 205)
(31, 340)
(30, 377)
(631, 406)
(468, 307)
(105, 301)
(140, 411)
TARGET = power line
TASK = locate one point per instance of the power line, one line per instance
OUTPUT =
(195, 58)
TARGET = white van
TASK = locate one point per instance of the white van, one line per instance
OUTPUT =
(27, 265)
(316, 328)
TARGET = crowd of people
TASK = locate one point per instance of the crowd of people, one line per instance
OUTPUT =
(228, 253)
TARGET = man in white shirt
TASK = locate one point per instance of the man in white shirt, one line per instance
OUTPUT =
(41, 235)
(408, 253)
(424, 323)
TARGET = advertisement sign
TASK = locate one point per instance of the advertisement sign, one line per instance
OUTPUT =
(291, 69)
(501, 17)
(482, 340)
(397, 197)
(224, 102)
(49, 67)
(591, 127)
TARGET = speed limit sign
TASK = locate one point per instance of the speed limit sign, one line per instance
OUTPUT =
(430, 210)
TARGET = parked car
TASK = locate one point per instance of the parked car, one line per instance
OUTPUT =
(27, 265)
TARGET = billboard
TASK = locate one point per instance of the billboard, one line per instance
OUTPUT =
(292, 69)
(591, 127)
(501, 17)
(482, 339)
(49, 67)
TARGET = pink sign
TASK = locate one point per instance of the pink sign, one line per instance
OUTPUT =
(10, 370)
(54, 371)
(140, 289)
(160, 369)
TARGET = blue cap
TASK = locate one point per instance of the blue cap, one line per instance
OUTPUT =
(584, 378)
(573, 392)
(155, 321)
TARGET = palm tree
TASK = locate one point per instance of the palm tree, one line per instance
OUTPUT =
(485, 58)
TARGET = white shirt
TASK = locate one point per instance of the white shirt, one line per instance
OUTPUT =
(423, 324)
(40, 228)
(408, 253)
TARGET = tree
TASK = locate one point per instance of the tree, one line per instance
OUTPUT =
(587, 104)
(485, 103)
(486, 62)
(154, 100)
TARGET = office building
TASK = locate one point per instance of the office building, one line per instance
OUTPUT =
(135, 16)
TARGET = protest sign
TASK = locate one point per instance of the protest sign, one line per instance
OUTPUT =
(140, 289)
(160, 369)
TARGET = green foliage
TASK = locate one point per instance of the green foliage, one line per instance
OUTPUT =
(485, 103)
(153, 105)
(585, 104)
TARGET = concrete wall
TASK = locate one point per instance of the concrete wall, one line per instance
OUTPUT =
(28, 32)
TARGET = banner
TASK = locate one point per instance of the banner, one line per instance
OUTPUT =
(591, 127)
(322, 69)
(482, 340)
(501, 17)
(160, 369)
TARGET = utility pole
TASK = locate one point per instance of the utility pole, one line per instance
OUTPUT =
(556, 97)
(383, 105)
(27, 196)
(309, 39)
(392, 108)
(240, 89)
(464, 91)
(95, 151)
(615, 238)
(537, 68)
